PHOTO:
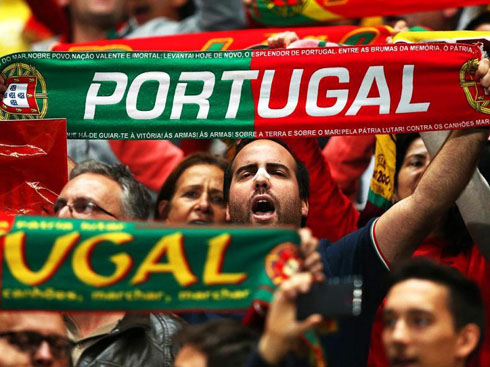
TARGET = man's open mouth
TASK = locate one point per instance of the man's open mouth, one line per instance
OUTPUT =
(263, 208)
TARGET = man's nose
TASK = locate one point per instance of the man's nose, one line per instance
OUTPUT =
(400, 333)
(262, 178)
(43, 356)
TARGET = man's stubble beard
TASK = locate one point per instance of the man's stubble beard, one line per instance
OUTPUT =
(287, 213)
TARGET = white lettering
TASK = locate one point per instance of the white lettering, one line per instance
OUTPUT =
(263, 108)
(93, 99)
(405, 105)
(163, 80)
(375, 74)
(238, 76)
(201, 99)
(341, 95)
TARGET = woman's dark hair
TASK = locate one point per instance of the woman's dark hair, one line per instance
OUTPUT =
(167, 190)
(454, 228)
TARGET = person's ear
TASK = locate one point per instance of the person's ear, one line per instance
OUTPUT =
(163, 208)
(227, 215)
(305, 207)
(468, 338)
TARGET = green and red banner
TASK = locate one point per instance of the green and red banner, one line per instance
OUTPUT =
(377, 89)
(233, 40)
(66, 264)
(300, 12)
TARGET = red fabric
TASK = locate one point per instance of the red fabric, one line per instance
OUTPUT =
(473, 265)
(32, 165)
(348, 157)
(331, 213)
(49, 13)
(35, 31)
(190, 146)
(150, 161)
(229, 40)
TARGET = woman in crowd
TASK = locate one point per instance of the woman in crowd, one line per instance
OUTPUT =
(193, 192)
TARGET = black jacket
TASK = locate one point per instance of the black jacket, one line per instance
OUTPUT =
(138, 340)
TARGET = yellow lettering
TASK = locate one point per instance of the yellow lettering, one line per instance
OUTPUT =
(177, 263)
(15, 257)
(214, 263)
(83, 268)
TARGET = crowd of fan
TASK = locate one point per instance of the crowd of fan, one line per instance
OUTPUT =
(431, 314)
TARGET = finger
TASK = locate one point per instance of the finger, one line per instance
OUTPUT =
(309, 323)
(298, 283)
(319, 276)
(485, 81)
(309, 243)
(312, 261)
(483, 68)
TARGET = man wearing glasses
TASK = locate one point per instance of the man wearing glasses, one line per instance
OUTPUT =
(98, 191)
(33, 339)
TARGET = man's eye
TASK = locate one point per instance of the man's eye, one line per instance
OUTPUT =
(245, 174)
(420, 321)
(278, 172)
(389, 321)
(58, 205)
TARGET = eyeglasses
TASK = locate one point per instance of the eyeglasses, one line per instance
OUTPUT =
(81, 206)
(30, 341)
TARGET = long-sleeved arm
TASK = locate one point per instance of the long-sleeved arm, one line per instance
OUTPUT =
(473, 202)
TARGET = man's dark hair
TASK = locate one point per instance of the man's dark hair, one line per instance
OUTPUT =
(167, 190)
(223, 342)
(136, 200)
(465, 302)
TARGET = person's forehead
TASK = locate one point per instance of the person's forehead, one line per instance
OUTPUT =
(88, 184)
(418, 294)
(416, 147)
(199, 173)
(42, 322)
(262, 152)
(189, 356)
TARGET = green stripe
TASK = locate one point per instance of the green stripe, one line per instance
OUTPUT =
(69, 77)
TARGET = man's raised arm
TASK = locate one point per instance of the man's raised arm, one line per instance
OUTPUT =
(401, 229)
(473, 201)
